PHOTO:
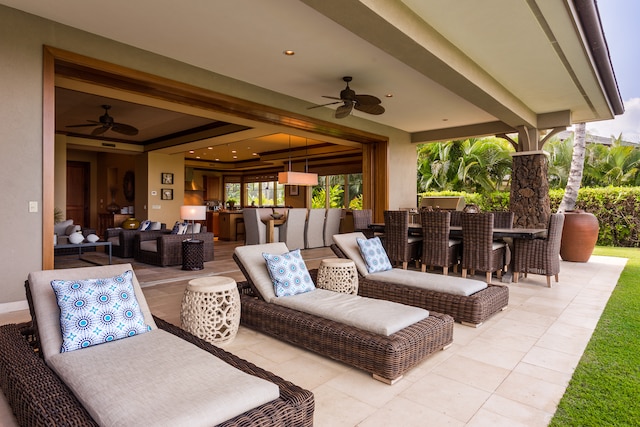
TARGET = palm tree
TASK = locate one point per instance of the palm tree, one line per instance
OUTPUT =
(616, 165)
(575, 173)
(464, 165)
(560, 152)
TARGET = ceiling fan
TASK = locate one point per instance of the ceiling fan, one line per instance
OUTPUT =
(365, 103)
(105, 123)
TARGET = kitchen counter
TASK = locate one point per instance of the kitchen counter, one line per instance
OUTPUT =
(228, 224)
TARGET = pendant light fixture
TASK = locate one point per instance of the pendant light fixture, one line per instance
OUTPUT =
(298, 178)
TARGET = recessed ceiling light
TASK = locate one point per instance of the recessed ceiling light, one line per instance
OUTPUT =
(234, 151)
(289, 52)
(254, 154)
(197, 157)
(217, 159)
(389, 95)
(235, 157)
(210, 148)
(191, 151)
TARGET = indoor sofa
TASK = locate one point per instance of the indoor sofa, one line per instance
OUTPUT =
(468, 301)
(123, 240)
(387, 355)
(165, 249)
(50, 378)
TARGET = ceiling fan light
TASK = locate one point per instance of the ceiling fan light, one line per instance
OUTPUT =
(298, 178)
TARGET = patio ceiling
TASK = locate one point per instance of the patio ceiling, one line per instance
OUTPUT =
(454, 69)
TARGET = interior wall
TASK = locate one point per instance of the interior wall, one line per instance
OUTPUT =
(112, 168)
(159, 209)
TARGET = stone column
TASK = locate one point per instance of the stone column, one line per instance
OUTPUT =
(530, 201)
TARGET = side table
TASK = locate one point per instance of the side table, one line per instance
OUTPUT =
(211, 309)
(192, 254)
(339, 275)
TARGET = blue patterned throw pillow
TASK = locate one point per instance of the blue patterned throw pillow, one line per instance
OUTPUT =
(289, 273)
(95, 311)
(374, 255)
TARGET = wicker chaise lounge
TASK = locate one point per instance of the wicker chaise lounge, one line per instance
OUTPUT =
(471, 310)
(39, 397)
(386, 357)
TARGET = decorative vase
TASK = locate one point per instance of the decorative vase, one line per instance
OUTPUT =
(130, 224)
(579, 235)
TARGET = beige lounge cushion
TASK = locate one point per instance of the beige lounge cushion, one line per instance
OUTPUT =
(251, 258)
(376, 316)
(348, 244)
(158, 379)
(46, 306)
(149, 245)
(433, 282)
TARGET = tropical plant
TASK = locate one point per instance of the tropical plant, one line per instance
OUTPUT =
(560, 152)
(356, 203)
(468, 165)
(615, 165)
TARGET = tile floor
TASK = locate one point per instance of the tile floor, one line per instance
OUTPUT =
(511, 371)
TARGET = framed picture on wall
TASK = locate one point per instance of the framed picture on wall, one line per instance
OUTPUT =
(294, 190)
(166, 194)
(167, 178)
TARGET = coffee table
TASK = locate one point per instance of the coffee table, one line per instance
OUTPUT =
(79, 246)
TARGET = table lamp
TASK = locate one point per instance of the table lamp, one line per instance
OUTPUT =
(193, 213)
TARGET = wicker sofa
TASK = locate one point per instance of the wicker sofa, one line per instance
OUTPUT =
(123, 240)
(387, 357)
(471, 310)
(38, 396)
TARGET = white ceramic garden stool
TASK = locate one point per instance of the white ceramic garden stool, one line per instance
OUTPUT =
(211, 309)
(339, 275)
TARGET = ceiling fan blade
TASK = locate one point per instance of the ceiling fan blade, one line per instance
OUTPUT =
(324, 105)
(124, 129)
(332, 97)
(92, 123)
(99, 131)
(344, 110)
(374, 109)
(367, 99)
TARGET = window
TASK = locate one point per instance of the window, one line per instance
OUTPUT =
(264, 193)
(232, 191)
(338, 191)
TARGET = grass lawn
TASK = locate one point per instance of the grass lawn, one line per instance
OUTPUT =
(605, 387)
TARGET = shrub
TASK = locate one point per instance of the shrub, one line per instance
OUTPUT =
(616, 208)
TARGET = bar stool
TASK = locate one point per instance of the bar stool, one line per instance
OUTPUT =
(240, 228)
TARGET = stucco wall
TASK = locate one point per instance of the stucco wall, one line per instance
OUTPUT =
(22, 37)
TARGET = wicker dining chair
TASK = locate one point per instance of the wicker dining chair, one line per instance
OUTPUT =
(456, 218)
(502, 219)
(400, 247)
(540, 256)
(437, 248)
(479, 251)
(361, 220)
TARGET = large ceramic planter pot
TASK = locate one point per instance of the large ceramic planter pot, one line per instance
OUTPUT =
(579, 236)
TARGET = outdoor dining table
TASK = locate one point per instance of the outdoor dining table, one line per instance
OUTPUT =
(456, 232)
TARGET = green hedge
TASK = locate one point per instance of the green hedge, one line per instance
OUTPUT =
(616, 208)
